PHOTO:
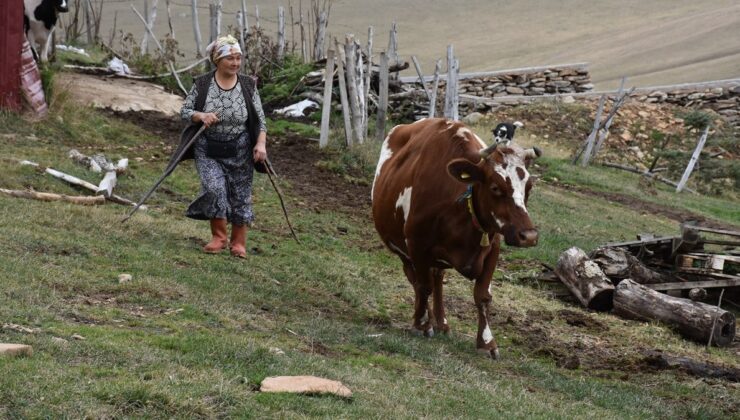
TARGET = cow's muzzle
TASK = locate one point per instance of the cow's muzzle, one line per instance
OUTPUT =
(522, 238)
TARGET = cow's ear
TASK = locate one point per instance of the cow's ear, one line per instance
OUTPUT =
(465, 171)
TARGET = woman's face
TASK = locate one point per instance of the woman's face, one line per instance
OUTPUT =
(230, 64)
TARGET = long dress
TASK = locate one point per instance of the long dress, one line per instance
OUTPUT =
(226, 183)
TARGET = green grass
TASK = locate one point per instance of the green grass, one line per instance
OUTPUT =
(191, 334)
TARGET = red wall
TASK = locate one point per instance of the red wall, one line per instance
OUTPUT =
(11, 41)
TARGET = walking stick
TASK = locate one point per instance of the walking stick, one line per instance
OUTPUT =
(270, 173)
(166, 173)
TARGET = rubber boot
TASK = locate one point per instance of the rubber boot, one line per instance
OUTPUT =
(218, 241)
(239, 241)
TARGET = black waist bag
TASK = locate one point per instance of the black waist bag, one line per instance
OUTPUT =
(221, 149)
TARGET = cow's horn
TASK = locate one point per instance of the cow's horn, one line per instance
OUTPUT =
(533, 153)
(484, 153)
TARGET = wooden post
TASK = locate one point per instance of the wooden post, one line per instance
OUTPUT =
(693, 160)
(435, 87)
(368, 73)
(257, 15)
(326, 108)
(88, 21)
(196, 28)
(304, 47)
(292, 28)
(318, 47)
(449, 86)
(417, 66)
(113, 32)
(169, 20)
(343, 94)
(362, 99)
(383, 97)
(592, 136)
(352, 91)
(605, 132)
(694, 320)
(281, 33)
(151, 17)
(393, 44)
(585, 280)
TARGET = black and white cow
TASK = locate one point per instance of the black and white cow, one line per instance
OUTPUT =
(504, 132)
(39, 19)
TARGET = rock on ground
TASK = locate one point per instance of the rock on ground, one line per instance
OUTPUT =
(15, 350)
(305, 385)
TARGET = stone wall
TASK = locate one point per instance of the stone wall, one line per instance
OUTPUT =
(723, 98)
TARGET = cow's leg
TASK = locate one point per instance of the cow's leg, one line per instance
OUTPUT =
(485, 342)
(423, 289)
(439, 305)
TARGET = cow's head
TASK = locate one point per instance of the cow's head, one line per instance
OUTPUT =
(501, 185)
(61, 6)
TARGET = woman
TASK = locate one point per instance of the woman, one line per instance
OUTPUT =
(228, 104)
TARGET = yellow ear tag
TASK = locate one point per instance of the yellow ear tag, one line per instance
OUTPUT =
(464, 175)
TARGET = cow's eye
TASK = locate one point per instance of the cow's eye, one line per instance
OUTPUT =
(495, 190)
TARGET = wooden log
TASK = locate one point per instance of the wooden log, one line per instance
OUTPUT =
(34, 195)
(647, 174)
(694, 320)
(326, 108)
(321, 22)
(692, 161)
(196, 28)
(435, 87)
(618, 264)
(383, 98)
(343, 94)
(585, 280)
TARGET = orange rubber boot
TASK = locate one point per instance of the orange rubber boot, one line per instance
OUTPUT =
(218, 241)
(239, 240)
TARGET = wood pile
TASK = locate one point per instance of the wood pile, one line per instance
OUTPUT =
(660, 279)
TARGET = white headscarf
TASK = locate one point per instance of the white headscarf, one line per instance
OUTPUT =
(223, 46)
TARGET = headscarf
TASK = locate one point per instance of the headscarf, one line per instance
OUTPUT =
(223, 46)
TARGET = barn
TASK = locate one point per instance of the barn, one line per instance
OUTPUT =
(11, 43)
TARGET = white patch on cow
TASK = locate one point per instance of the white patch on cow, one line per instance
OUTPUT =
(499, 222)
(425, 318)
(404, 202)
(385, 154)
(517, 185)
(518, 124)
(487, 335)
(443, 262)
(64, 4)
(463, 132)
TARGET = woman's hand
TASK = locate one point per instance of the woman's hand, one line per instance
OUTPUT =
(207, 118)
(260, 152)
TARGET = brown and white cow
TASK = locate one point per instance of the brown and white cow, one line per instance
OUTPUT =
(443, 199)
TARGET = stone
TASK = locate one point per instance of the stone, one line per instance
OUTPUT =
(124, 278)
(472, 118)
(78, 337)
(276, 351)
(626, 135)
(305, 385)
(15, 350)
(59, 341)
(587, 86)
(568, 99)
(515, 90)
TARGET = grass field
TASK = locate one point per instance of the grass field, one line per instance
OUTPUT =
(192, 335)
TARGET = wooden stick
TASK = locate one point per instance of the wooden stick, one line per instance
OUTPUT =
(318, 48)
(615, 106)
(417, 66)
(383, 100)
(693, 160)
(435, 87)
(172, 66)
(270, 174)
(326, 108)
(648, 174)
(33, 195)
(343, 94)
(592, 135)
(368, 73)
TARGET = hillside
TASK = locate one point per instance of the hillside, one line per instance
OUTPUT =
(193, 335)
(653, 43)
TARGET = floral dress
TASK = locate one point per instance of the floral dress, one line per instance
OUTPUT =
(226, 183)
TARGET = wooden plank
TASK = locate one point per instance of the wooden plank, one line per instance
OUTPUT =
(343, 94)
(718, 231)
(693, 160)
(695, 284)
(383, 94)
(326, 108)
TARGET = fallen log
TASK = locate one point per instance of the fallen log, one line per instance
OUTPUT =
(658, 360)
(618, 264)
(585, 280)
(33, 195)
(693, 320)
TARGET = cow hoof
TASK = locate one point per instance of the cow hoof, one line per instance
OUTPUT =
(429, 333)
(492, 353)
